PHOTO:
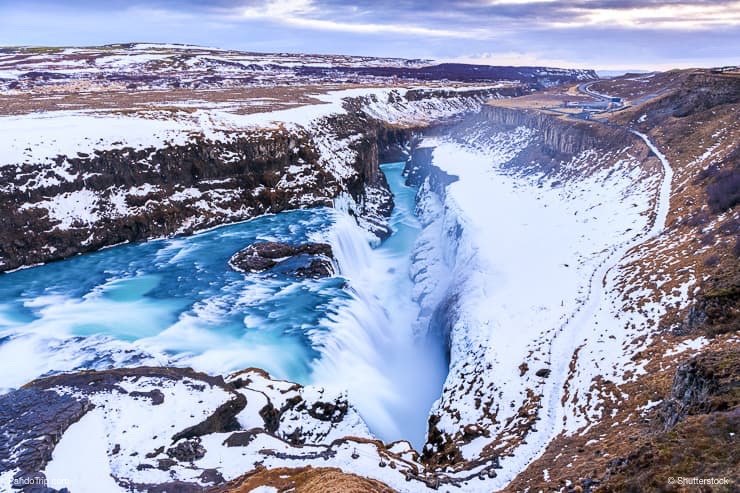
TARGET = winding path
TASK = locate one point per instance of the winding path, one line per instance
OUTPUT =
(664, 196)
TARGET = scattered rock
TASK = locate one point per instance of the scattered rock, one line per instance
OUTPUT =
(155, 453)
(155, 395)
(187, 451)
(329, 411)
(165, 464)
(222, 420)
(271, 417)
(543, 372)
(240, 439)
(211, 476)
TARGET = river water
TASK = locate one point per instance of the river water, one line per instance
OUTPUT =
(176, 301)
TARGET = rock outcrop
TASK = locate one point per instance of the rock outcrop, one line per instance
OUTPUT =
(140, 194)
(707, 383)
(307, 260)
(557, 139)
(32, 421)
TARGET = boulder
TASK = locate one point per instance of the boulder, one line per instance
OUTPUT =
(312, 260)
(187, 451)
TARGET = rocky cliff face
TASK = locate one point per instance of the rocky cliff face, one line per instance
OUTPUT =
(706, 383)
(133, 195)
(66, 204)
(560, 138)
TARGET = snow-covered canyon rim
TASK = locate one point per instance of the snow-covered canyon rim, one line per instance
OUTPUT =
(525, 255)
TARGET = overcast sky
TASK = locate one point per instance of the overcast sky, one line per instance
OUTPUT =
(601, 34)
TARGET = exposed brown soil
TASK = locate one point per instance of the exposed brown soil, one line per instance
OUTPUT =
(632, 87)
(304, 480)
(82, 95)
(550, 101)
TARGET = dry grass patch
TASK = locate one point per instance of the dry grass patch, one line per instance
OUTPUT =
(304, 480)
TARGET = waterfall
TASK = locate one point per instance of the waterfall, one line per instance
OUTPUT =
(370, 347)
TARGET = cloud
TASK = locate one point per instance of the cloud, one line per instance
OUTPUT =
(277, 9)
(590, 33)
(306, 14)
(666, 16)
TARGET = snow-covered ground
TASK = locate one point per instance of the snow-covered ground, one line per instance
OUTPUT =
(38, 138)
(530, 264)
(526, 267)
(126, 439)
(161, 66)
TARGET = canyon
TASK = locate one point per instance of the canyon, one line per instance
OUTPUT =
(552, 300)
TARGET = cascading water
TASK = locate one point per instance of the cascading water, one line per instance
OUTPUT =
(373, 344)
(177, 302)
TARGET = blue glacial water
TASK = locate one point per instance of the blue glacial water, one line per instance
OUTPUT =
(176, 301)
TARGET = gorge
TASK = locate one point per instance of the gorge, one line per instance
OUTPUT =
(512, 291)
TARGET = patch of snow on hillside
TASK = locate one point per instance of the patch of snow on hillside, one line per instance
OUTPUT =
(70, 208)
(80, 458)
(36, 138)
(688, 345)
